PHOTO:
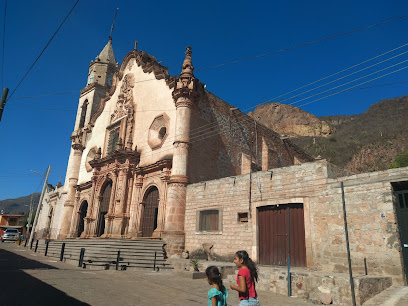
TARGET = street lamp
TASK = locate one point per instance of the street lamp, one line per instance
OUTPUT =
(39, 203)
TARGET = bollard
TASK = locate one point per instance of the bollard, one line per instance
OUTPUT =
(36, 246)
(365, 266)
(46, 247)
(117, 261)
(62, 251)
(81, 257)
(31, 244)
(25, 244)
(154, 262)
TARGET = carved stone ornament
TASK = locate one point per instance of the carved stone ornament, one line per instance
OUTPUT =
(77, 140)
(124, 105)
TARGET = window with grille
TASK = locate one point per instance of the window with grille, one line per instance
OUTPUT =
(113, 140)
(209, 220)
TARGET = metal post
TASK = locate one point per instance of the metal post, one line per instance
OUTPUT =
(154, 262)
(46, 247)
(81, 257)
(353, 295)
(62, 251)
(117, 260)
(365, 266)
(3, 100)
(288, 242)
(39, 204)
(36, 246)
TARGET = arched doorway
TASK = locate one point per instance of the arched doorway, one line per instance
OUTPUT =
(82, 214)
(104, 208)
(150, 212)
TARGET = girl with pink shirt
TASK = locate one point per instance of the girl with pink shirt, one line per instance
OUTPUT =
(246, 278)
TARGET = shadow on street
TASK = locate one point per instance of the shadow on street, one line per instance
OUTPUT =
(20, 288)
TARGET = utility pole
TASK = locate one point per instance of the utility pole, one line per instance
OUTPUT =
(39, 205)
(3, 100)
(30, 214)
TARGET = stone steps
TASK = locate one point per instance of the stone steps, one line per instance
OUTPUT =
(102, 253)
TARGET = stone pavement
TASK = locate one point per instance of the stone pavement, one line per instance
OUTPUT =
(29, 278)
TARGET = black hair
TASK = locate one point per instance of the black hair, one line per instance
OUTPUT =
(249, 263)
(214, 276)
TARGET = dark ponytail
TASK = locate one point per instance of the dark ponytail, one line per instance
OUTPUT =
(249, 263)
(214, 275)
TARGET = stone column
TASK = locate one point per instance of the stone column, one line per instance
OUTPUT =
(75, 217)
(111, 211)
(184, 95)
(89, 220)
(73, 180)
(135, 210)
(120, 205)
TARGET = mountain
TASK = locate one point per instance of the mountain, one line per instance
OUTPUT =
(359, 143)
(291, 121)
(19, 205)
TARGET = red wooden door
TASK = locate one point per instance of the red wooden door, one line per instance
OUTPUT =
(273, 229)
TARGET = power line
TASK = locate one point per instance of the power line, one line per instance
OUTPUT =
(304, 44)
(4, 42)
(392, 72)
(45, 95)
(52, 37)
(326, 77)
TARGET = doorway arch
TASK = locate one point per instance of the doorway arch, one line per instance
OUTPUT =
(104, 208)
(82, 214)
(150, 212)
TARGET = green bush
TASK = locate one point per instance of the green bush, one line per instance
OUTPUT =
(400, 161)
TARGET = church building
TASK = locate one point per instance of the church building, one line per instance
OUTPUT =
(140, 138)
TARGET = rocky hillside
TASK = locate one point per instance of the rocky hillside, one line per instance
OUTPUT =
(291, 121)
(359, 143)
(19, 205)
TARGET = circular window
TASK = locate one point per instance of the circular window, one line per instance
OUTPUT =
(158, 131)
(162, 132)
(91, 155)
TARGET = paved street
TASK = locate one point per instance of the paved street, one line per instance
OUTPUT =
(28, 278)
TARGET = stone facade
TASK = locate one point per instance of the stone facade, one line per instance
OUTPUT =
(139, 130)
(372, 223)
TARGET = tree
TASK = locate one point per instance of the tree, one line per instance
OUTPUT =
(400, 161)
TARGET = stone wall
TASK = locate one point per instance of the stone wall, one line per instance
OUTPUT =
(221, 135)
(373, 231)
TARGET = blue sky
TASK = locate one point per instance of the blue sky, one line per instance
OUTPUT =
(34, 132)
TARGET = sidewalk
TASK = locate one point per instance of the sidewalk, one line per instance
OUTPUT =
(393, 296)
(29, 278)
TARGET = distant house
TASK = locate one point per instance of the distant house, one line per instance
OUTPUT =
(11, 221)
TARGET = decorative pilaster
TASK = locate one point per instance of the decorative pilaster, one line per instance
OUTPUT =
(75, 163)
(185, 94)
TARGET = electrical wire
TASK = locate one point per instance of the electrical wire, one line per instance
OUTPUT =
(354, 86)
(304, 44)
(41, 53)
(272, 100)
(4, 43)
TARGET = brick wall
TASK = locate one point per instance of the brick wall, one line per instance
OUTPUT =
(373, 230)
